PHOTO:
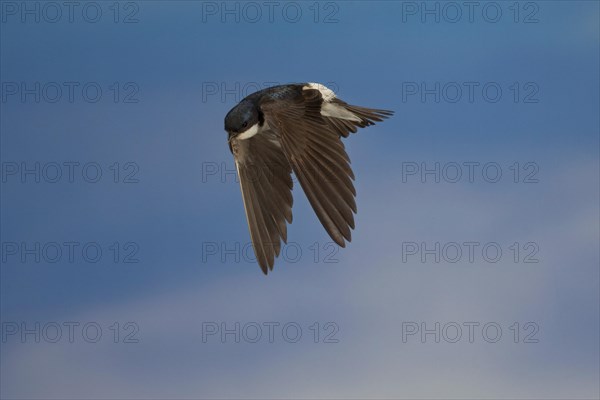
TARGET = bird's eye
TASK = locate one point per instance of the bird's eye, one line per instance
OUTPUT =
(245, 124)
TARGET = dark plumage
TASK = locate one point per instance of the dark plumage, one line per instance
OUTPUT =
(296, 127)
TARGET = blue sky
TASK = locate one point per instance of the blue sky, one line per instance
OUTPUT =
(167, 198)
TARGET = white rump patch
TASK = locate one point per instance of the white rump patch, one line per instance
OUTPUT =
(327, 93)
(249, 133)
(335, 111)
(329, 109)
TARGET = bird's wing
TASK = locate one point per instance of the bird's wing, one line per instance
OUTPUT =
(358, 117)
(310, 132)
(266, 183)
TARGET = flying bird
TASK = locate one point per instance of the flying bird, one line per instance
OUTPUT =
(295, 127)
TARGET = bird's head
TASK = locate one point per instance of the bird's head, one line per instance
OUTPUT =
(241, 119)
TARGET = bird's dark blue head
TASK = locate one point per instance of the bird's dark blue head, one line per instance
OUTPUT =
(241, 118)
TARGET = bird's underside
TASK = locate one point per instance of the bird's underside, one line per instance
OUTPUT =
(300, 129)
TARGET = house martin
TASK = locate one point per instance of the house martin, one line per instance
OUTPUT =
(295, 127)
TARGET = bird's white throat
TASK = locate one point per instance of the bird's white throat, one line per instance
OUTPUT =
(253, 130)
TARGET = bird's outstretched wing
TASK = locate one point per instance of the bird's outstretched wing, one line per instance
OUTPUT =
(310, 130)
(266, 183)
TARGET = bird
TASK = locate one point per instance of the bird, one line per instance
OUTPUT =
(295, 128)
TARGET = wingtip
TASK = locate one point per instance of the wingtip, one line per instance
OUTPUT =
(264, 269)
(339, 239)
(384, 114)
